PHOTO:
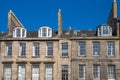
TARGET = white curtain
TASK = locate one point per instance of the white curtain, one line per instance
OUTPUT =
(35, 72)
(21, 74)
(49, 72)
(7, 73)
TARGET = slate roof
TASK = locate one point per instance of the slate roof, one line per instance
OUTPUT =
(86, 33)
(3, 34)
(65, 34)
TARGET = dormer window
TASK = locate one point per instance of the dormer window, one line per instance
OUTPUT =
(45, 32)
(104, 30)
(19, 32)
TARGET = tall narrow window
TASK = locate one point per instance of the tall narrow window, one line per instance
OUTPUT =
(49, 71)
(22, 50)
(8, 49)
(82, 49)
(82, 72)
(96, 72)
(64, 72)
(111, 48)
(36, 49)
(64, 49)
(18, 32)
(49, 32)
(35, 72)
(23, 33)
(21, 72)
(111, 72)
(49, 49)
(44, 32)
(96, 48)
(7, 72)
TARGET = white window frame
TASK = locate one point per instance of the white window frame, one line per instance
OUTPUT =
(108, 31)
(8, 52)
(112, 72)
(98, 72)
(36, 48)
(21, 49)
(7, 71)
(98, 49)
(112, 48)
(48, 71)
(21, 72)
(84, 72)
(48, 31)
(35, 72)
(49, 48)
(81, 46)
(21, 34)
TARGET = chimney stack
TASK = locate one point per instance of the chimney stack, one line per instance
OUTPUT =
(114, 9)
(59, 22)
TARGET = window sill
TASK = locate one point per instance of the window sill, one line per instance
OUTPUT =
(96, 55)
(7, 56)
(22, 56)
(49, 56)
(81, 79)
(111, 55)
(35, 56)
(81, 55)
(64, 56)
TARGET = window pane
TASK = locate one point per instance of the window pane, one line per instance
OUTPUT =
(81, 71)
(64, 49)
(49, 32)
(21, 72)
(64, 72)
(49, 71)
(96, 48)
(44, 32)
(96, 72)
(111, 48)
(35, 72)
(35, 49)
(23, 32)
(7, 71)
(49, 49)
(105, 30)
(8, 49)
(82, 48)
(18, 31)
(22, 49)
(111, 72)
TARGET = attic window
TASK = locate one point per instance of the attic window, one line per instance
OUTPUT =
(19, 32)
(104, 30)
(45, 32)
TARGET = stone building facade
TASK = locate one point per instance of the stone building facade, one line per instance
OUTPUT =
(60, 55)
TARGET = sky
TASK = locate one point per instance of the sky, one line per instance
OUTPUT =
(77, 14)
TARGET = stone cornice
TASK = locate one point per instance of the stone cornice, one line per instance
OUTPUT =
(29, 39)
(95, 38)
(57, 38)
